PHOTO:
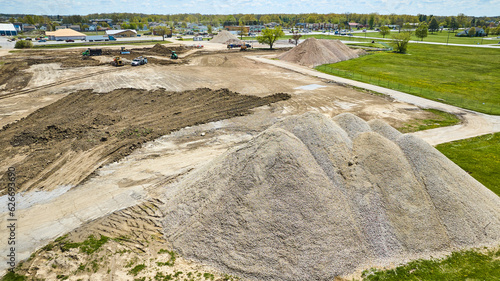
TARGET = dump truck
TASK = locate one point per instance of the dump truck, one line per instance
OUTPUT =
(174, 55)
(117, 61)
(92, 52)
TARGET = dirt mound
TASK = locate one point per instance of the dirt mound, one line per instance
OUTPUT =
(313, 198)
(223, 37)
(313, 52)
(84, 130)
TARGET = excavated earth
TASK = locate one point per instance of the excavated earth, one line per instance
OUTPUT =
(314, 198)
(86, 130)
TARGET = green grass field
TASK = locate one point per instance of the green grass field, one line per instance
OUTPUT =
(442, 37)
(464, 265)
(440, 119)
(479, 156)
(463, 76)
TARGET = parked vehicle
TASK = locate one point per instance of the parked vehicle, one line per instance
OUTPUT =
(139, 61)
(42, 40)
(111, 38)
(70, 40)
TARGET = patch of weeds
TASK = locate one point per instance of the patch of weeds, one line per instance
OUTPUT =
(12, 276)
(95, 266)
(463, 265)
(207, 275)
(48, 247)
(131, 262)
(140, 279)
(62, 277)
(81, 267)
(170, 262)
(89, 246)
(120, 239)
(54, 265)
(138, 268)
(441, 119)
(177, 273)
(228, 277)
(162, 277)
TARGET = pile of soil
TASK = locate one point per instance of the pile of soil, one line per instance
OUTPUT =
(75, 135)
(313, 198)
(223, 37)
(163, 50)
(313, 52)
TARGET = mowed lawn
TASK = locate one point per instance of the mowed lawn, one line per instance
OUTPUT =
(442, 37)
(467, 77)
(479, 156)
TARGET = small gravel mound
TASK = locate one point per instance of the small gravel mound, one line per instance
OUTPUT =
(313, 52)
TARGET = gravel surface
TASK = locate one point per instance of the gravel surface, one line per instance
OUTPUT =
(313, 198)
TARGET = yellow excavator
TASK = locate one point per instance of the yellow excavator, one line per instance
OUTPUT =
(117, 61)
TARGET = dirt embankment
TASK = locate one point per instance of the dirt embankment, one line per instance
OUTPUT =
(66, 141)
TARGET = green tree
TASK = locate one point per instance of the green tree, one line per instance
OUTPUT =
(433, 25)
(421, 31)
(453, 24)
(472, 32)
(295, 37)
(385, 30)
(487, 31)
(371, 21)
(162, 31)
(400, 41)
(209, 29)
(23, 44)
(243, 31)
(269, 36)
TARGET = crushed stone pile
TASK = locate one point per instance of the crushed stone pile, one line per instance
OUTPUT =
(223, 37)
(313, 52)
(312, 198)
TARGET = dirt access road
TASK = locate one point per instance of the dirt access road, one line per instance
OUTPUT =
(474, 123)
(60, 206)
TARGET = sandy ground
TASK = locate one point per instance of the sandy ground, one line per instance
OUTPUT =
(133, 179)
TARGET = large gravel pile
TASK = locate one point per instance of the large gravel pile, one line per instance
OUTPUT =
(312, 198)
(224, 36)
(313, 52)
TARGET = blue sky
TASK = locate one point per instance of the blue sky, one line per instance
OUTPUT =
(83, 7)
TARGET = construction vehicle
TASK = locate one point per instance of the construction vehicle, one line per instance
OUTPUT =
(243, 47)
(92, 52)
(174, 55)
(139, 61)
(124, 51)
(117, 61)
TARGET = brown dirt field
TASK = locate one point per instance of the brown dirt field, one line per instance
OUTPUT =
(106, 127)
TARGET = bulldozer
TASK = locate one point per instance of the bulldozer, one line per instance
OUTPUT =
(124, 51)
(117, 61)
(174, 55)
